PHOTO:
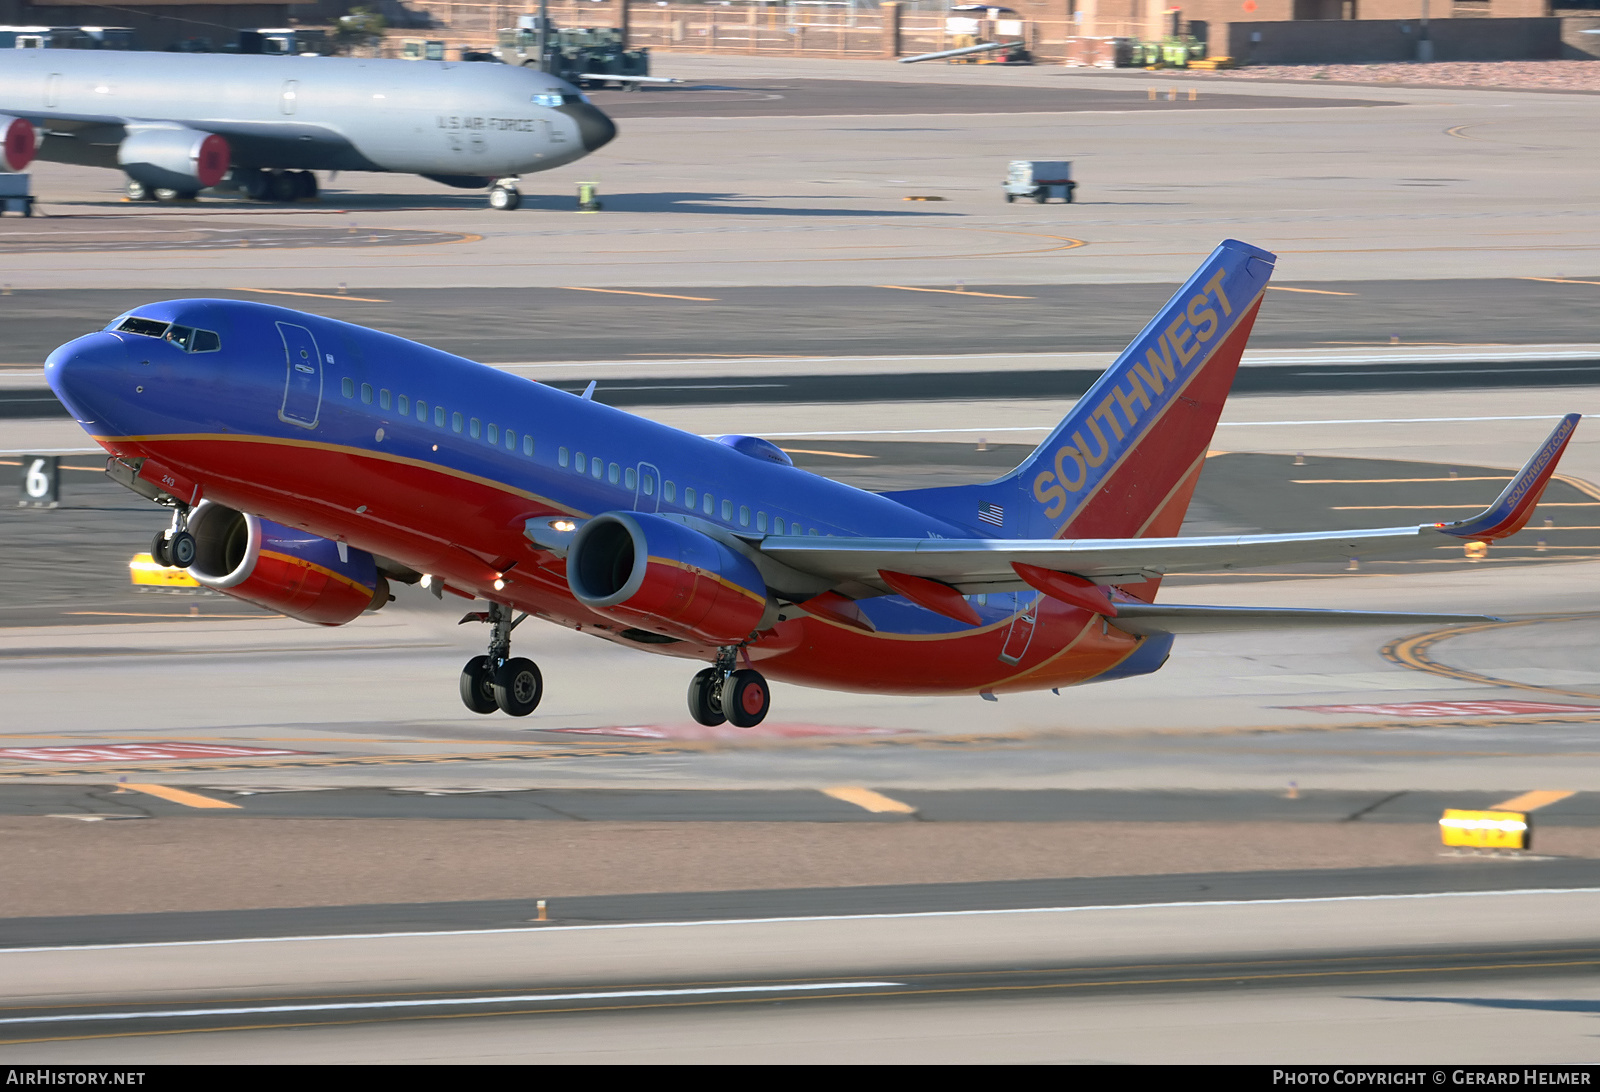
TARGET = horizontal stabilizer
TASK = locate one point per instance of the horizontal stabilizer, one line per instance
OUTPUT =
(1145, 620)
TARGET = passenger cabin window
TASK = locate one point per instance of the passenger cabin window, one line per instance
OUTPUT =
(744, 515)
(647, 482)
(405, 406)
(597, 467)
(688, 497)
(761, 521)
(348, 387)
(727, 509)
(422, 411)
(706, 505)
(670, 491)
(475, 427)
(492, 434)
(777, 526)
(438, 418)
(527, 445)
(366, 393)
(614, 474)
(383, 399)
(563, 457)
(455, 421)
(629, 478)
(580, 465)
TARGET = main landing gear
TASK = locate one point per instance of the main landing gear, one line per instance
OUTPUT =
(499, 680)
(720, 693)
(504, 194)
(174, 548)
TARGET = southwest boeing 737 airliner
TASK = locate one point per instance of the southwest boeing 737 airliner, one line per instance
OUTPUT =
(308, 463)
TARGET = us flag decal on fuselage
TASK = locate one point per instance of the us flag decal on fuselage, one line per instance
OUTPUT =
(992, 513)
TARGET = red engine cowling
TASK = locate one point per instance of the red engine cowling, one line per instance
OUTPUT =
(665, 577)
(282, 569)
(19, 143)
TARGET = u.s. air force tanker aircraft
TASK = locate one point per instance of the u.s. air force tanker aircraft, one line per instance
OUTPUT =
(178, 123)
(309, 463)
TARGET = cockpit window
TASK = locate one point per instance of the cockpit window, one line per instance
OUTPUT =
(145, 327)
(548, 98)
(186, 338)
(191, 340)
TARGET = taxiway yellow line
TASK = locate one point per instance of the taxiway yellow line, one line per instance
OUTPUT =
(868, 800)
(1388, 481)
(1558, 280)
(654, 295)
(1309, 291)
(1532, 801)
(310, 295)
(178, 796)
(835, 454)
(954, 292)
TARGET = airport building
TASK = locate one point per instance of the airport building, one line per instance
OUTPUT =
(156, 24)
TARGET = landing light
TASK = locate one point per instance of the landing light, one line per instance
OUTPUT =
(499, 585)
(426, 581)
(563, 525)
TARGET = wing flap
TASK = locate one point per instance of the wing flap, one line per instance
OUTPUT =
(1146, 620)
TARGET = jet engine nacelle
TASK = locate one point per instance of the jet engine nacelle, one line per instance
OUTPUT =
(174, 157)
(663, 576)
(282, 569)
(19, 143)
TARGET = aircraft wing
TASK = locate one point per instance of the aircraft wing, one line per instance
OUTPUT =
(1064, 568)
(980, 565)
(1173, 618)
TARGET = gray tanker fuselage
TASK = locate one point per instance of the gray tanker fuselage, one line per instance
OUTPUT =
(454, 121)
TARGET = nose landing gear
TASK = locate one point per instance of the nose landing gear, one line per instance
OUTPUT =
(500, 681)
(504, 195)
(722, 694)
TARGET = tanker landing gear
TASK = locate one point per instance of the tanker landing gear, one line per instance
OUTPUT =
(721, 693)
(282, 187)
(499, 680)
(504, 195)
(174, 548)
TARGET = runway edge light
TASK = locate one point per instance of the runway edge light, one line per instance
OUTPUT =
(1486, 829)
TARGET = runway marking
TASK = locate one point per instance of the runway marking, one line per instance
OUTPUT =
(954, 292)
(1388, 481)
(311, 295)
(1309, 291)
(868, 800)
(433, 1002)
(1533, 801)
(1474, 507)
(1413, 653)
(835, 454)
(656, 295)
(795, 920)
(1557, 280)
(176, 796)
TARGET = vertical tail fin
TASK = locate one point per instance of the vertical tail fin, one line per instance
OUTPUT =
(1124, 462)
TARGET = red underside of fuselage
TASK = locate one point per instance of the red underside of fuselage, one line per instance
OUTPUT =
(424, 516)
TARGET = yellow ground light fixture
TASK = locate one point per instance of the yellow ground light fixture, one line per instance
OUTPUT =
(1486, 829)
(145, 573)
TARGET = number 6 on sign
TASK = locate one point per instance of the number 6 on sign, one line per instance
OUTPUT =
(41, 481)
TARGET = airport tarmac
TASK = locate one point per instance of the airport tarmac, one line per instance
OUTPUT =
(1443, 184)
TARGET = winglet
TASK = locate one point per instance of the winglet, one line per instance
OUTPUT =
(1514, 507)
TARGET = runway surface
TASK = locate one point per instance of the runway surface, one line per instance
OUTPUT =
(496, 326)
(1301, 980)
(754, 98)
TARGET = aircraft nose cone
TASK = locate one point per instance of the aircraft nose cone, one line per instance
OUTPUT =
(86, 371)
(594, 128)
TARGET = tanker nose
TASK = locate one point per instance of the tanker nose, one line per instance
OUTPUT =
(594, 128)
(89, 373)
